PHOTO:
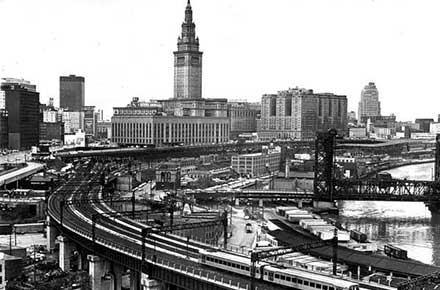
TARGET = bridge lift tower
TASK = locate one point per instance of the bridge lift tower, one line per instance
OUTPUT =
(325, 144)
(325, 182)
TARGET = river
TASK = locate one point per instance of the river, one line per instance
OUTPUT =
(408, 225)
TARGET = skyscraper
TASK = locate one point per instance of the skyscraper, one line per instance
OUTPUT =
(22, 102)
(72, 92)
(369, 106)
(188, 61)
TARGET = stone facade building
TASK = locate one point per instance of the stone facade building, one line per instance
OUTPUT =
(188, 61)
(150, 126)
(300, 113)
(369, 106)
(243, 117)
(185, 119)
(257, 164)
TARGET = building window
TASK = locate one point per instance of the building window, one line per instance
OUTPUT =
(273, 106)
(195, 60)
(320, 107)
(330, 108)
(288, 106)
(339, 108)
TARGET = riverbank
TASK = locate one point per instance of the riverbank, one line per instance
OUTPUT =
(407, 225)
(397, 165)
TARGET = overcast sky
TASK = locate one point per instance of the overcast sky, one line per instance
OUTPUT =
(124, 48)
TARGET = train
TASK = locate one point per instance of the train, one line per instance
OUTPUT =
(290, 277)
(395, 252)
(358, 236)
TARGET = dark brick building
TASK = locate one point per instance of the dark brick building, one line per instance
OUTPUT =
(72, 92)
(22, 102)
(3, 128)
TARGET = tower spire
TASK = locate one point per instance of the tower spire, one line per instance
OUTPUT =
(188, 60)
(188, 39)
(188, 13)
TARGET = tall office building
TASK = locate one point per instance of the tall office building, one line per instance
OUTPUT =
(369, 106)
(22, 102)
(72, 92)
(3, 128)
(188, 61)
(300, 113)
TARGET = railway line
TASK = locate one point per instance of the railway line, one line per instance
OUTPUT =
(123, 233)
(101, 226)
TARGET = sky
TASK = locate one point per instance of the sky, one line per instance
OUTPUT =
(124, 48)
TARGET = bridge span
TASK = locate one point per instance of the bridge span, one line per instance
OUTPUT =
(14, 175)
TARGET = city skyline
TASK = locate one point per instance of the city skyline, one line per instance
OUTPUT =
(251, 48)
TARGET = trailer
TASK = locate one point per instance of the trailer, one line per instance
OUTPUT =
(343, 236)
(316, 228)
(305, 222)
(281, 210)
(295, 211)
(296, 218)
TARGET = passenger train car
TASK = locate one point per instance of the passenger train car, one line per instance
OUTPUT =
(290, 277)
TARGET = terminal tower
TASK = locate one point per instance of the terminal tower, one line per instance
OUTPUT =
(188, 61)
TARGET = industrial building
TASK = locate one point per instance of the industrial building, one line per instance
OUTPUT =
(257, 164)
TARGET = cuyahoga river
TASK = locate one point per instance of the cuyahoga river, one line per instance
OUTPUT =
(408, 225)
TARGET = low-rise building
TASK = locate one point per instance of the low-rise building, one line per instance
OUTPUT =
(424, 124)
(257, 164)
(104, 130)
(168, 177)
(434, 128)
(357, 133)
(10, 267)
(77, 139)
(51, 131)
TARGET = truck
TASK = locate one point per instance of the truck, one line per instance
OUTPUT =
(248, 228)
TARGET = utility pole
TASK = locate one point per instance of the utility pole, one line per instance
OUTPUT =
(335, 251)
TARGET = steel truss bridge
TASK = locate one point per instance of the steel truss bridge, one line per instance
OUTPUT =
(327, 187)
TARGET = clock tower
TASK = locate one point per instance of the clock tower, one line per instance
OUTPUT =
(188, 61)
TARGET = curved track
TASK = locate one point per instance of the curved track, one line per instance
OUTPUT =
(123, 234)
